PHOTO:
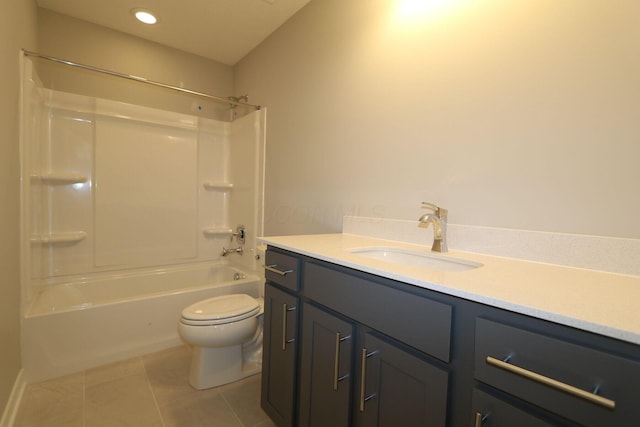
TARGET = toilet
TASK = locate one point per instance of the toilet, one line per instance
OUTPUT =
(226, 333)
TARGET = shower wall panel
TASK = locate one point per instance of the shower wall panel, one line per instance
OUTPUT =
(215, 187)
(146, 187)
(61, 176)
(111, 185)
(247, 166)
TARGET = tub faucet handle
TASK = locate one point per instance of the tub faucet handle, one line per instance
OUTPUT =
(239, 234)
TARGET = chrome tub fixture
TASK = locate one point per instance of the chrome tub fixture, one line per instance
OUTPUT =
(238, 251)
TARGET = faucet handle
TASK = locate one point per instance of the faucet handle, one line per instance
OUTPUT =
(239, 234)
(440, 212)
(427, 205)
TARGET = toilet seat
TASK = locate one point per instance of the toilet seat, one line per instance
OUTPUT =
(220, 310)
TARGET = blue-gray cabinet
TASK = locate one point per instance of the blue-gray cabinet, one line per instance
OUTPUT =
(326, 369)
(349, 348)
(280, 348)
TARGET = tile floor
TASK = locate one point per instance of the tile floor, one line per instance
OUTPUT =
(151, 390)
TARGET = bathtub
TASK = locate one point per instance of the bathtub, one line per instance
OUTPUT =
(86, 322)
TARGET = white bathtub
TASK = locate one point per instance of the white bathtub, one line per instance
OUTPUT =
(87, 322)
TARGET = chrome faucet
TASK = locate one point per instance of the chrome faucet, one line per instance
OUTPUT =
(237, 250)
(439, 220)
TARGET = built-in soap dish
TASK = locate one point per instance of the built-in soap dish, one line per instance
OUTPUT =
(217, 231)
(219, 186)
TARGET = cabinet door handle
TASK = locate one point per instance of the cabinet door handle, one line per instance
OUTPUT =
(478, 419)
(550, 382)
(336, 361)
(272, 268)
(285, 310)
(363, 374)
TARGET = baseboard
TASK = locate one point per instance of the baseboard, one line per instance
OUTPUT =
(11, 410)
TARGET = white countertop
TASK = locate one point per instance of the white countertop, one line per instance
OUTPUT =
(599, 302)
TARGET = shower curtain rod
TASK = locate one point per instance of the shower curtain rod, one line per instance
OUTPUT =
(140, 79)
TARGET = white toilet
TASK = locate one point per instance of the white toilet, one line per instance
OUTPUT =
(226, 333)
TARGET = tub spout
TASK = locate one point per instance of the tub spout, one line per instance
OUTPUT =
(238, 250)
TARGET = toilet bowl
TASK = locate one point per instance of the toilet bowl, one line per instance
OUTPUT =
(226, 334)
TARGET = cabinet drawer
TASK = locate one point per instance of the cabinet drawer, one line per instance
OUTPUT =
(282, 269)
(414, 320)
(557, 375)
(489, 411)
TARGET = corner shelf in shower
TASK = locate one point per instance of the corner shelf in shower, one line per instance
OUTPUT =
(217, 231)
(60, 178)
(219, 186)
(53, 238)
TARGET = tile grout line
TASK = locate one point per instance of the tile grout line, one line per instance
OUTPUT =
(153, 394)
(84, 398)
(235, 414)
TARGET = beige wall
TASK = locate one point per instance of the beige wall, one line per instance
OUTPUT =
(79, 41)
(17, 30)
(519, 114)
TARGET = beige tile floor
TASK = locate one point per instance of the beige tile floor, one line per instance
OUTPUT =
(151, 390)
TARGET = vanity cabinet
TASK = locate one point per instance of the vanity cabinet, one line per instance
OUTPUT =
(393, 379)
(358, 362)
(280, 336)
(371, 351)
(377, 384)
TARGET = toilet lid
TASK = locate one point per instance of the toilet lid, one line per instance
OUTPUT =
(222, 308)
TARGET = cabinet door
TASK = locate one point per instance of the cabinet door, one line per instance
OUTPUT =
(325, 377)
(399, 389)
(279, 355)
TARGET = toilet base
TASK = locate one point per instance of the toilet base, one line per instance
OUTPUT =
(213, 367)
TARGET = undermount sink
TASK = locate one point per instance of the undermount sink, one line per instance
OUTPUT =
(411, 258)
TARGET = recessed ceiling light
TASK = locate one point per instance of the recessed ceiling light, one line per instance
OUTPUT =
(145, 16)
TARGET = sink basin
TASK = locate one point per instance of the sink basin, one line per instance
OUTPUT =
(426, 260)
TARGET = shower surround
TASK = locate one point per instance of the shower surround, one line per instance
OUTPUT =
(125, 213)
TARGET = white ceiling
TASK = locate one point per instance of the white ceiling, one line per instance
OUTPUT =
(222, 30)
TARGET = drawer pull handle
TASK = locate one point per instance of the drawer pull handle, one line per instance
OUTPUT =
(363, 374)
(272, 268)
(558, 385)
(285, 310)
(336, 362)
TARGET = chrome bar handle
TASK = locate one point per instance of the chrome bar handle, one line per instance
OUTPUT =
(285, 310)
(478, 419)
(272, 268)
(550, 382)
(284, 327)
(363, 373)
(336, 362)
